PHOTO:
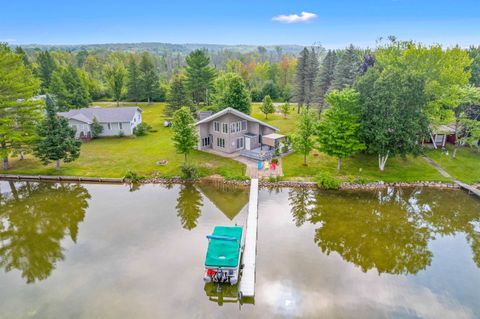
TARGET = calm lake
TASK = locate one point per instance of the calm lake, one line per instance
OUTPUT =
(109, 251)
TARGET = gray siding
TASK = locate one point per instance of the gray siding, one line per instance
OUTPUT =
(109, 129)
(230, 138)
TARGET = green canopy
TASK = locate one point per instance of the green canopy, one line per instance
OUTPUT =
(224, 247)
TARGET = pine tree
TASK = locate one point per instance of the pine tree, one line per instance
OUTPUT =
(97, 128)
(301, 78)
(324, 79)
(69, 88)
(338, 130)
(312, 71)
(267, 106)
(115, 76)
(18, 113)
(134, 89)
(23, 54)
(200, 76)
(185, 136)
(177, 96)
(46, 67)
(57, 139)
(347, 68)
(149, 81)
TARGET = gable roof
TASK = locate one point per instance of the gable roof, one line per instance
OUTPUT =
(242, 115)
(103, 114)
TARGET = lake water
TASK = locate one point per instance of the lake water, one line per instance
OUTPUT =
(109, 251)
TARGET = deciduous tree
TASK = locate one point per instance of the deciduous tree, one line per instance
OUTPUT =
(116, 75)
(303, 138)
(267, 106)
(338, 130)
(185, 136)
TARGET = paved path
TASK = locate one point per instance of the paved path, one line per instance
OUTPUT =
(444, 173)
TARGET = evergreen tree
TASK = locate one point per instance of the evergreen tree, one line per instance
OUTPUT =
(18, 113)
(267, 106)
(338, 130)
(303, 138)
(97, 128)
(185, 136)
(177, 96)
(324, 79)
(57, 139)
(69, 88)
(312, 71)
(46, 67)
(23, 54)
(200, 75)
(346, 69)
(149, 81)
(230, 91)
(474, 54)
(301, 76)
(134, 89)
(115, 75)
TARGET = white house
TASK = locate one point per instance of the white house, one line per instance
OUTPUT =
(114, 120)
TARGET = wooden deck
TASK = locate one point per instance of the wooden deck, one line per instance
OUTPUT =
(247, 281)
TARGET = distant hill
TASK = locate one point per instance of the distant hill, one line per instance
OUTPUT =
(164, 48)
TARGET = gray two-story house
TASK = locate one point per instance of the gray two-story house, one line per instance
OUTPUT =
(231, 131)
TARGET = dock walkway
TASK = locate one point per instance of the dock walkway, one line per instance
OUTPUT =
(247, 281)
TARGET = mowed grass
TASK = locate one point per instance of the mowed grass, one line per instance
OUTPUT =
(360, 168)
(114, 156)
(466, 167)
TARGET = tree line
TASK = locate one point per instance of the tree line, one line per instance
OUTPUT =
(386, 102)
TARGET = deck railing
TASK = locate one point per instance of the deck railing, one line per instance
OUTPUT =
(259, 156)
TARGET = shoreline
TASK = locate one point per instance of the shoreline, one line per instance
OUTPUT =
(221, 180)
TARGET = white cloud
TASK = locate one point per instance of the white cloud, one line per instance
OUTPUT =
(295, 18)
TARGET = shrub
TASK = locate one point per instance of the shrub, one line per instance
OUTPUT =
(121, 134)
(189, 171)
(97, 128)
(326, 181)
(142, 129)
(277, 151)
(285, 148)
(133, 176)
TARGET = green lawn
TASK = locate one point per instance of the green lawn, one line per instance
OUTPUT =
(285, 125)
(362, 167)
(112, 157)
(466, 167)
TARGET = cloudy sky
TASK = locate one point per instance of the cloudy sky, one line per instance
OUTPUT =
(333, 23)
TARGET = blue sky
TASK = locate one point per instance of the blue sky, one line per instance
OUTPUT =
(333, 23)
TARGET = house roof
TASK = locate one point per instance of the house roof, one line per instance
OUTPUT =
(444, 129)
(242, 115)
(103, 114)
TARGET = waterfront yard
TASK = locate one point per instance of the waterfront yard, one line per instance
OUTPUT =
(113, 157)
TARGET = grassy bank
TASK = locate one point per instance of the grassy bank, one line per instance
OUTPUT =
(466, 167)
(113, 156)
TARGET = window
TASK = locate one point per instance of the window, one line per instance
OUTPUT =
(216, 126)
(240, 142)
(121, 126)
(232, 128)
(205, 141)
(239, 125)
(244, 125)
(109, 126)
(220, 142)
(225, 128)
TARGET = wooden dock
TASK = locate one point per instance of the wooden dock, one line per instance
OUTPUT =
(247, 281)
(468, 188)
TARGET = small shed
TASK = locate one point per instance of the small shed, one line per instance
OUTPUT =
(442, 134)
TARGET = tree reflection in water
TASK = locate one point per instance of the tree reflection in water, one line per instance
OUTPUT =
(189, 206)
(34, 219)
(390, 229)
